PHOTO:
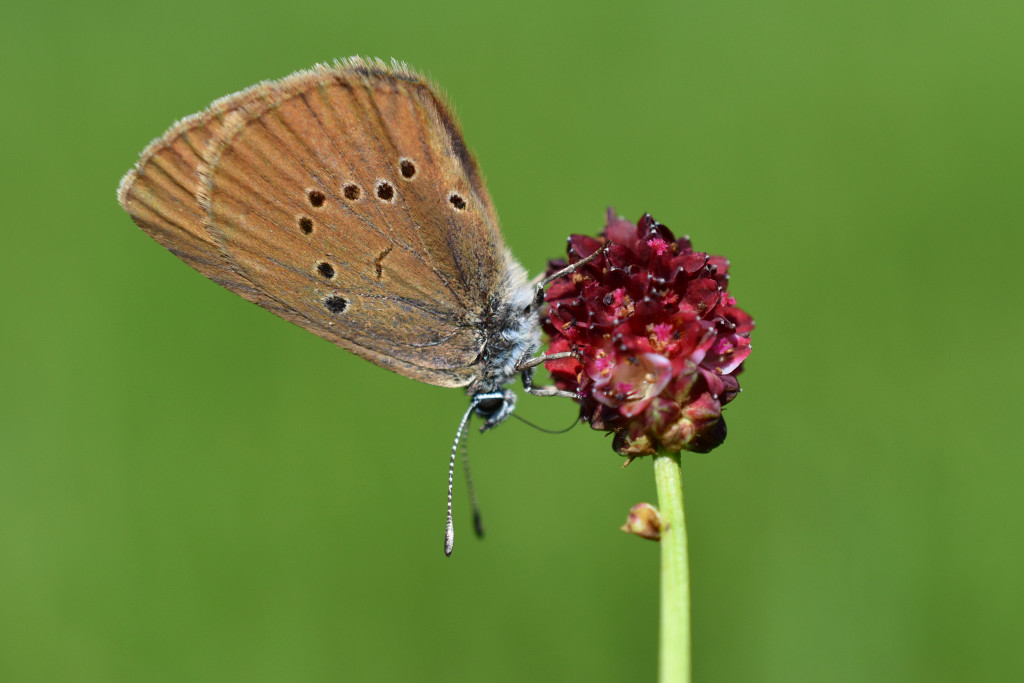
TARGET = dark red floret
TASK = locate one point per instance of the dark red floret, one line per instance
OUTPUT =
(659, 339)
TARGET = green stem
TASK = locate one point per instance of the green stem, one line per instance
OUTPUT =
(674, 645)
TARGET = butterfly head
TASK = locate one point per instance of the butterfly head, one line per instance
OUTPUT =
(494, 407)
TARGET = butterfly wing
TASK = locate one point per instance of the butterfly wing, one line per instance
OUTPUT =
(344, 200)
(160, 194)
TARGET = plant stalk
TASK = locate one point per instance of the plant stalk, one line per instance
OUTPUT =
(674, 638)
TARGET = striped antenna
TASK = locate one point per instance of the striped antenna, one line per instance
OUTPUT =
(449, 529)
(478, 520)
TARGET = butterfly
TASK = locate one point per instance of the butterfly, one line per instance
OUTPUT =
(344, 199)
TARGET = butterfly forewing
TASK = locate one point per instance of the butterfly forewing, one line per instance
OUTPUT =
(450, 200)
(342, 199)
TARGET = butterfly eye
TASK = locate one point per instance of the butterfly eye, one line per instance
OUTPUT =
(351, 191)
(306, 224)
(489, 406)
(456, 200)
(385, 191)
(336, 304)
(316, 198)
(407, 168)
(326, 270)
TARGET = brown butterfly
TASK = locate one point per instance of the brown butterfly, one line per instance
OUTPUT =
(343, 199)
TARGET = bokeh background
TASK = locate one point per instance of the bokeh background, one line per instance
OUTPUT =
(194, 490)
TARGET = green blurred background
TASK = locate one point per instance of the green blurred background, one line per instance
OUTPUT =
(194, 490)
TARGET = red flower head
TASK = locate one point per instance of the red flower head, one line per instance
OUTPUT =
(659, 339)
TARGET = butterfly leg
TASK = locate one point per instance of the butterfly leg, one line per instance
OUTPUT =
(538, 296)
(534, 362)
(551, 391)
(527, 375)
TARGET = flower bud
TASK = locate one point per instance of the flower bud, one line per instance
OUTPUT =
(644, 521)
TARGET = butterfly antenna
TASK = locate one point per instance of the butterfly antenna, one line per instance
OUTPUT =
(478, 521)
(449, 529)
(542, 429)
